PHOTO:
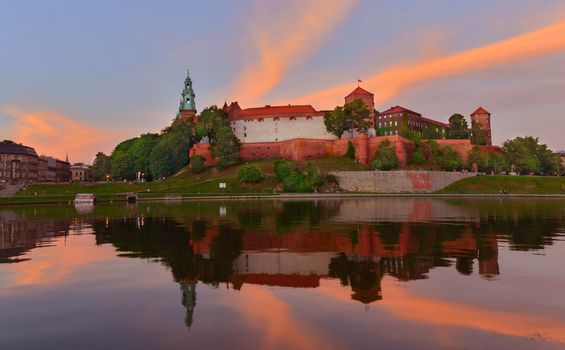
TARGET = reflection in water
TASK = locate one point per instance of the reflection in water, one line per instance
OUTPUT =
(299, 244)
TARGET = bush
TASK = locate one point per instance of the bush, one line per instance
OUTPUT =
(297, 182)
(350, 153)
(197, 164)
(385, 157)
(249, 174)
(283, 169)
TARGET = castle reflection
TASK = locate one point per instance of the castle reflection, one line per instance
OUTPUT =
(297, 244)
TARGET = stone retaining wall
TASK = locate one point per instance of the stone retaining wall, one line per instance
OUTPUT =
(397, 181)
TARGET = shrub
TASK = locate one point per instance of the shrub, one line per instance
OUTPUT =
(297, 182)
(283, 169)
(350, 153)
(249, 174)
(197, 164)
(385, 157)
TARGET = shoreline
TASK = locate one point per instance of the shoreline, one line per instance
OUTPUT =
(297, 196)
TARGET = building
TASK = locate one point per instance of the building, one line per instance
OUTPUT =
(18, 163)
(57, 170)
(81, 173)
(394, 119)
(298, 132)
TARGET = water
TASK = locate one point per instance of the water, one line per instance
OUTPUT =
(361, 273)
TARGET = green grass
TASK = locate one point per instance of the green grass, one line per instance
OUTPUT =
(509, 184)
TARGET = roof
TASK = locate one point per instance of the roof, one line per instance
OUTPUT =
(272, 111)
(480, 110)
(15, 148)
(398, 109)
(432, 121)
(359, 91)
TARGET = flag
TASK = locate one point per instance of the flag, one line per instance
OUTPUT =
(359, 80)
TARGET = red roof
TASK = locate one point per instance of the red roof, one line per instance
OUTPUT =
(480, 110)
(398, 109)
(432, 121)
(359, 91)
(272, 111)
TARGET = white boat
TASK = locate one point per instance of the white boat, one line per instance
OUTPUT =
(85, 198)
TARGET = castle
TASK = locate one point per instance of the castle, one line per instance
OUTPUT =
(298, 132)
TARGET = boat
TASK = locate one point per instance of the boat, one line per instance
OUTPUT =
(85, 198)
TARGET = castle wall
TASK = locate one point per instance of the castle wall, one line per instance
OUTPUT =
(303, 149)
(280, 129)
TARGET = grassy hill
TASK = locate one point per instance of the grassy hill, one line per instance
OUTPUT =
(508, 184)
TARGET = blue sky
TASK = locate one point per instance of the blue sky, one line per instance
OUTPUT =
(83, 75)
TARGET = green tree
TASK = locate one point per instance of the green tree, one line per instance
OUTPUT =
(122, 166)
(385, 157)
(450, 160)
(526, 155)
(101, 167)
(283, 169)
(350, 153)
(225, 146)
(140, 152)
(459, 129)
(249, 174)
(480, 158)
(209, 120)
(353, 116)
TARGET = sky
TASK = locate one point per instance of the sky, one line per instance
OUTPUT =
(80, 76)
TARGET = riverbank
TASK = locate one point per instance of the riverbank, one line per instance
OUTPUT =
(188, 186)
(282, 196)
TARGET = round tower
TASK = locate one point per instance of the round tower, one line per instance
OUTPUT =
(480, 127)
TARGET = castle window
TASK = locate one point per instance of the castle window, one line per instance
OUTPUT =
(277, 118)
(261, 119)
(309, 117)
(245, 135)
(292, 118)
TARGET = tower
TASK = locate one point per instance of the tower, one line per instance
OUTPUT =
(187, 106)
(480, 127)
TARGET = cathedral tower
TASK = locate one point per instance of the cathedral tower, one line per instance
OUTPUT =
(187, 106)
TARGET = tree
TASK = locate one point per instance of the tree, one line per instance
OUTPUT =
(526, 155)
(101, 167)
(459, 129)
(353, 116)
(283, 169)
(385, 157)
(225, 146)
(249, 174)
(350, 153)
(480, 158)
(209, 120)
(450, 160)
(140, 152)
(170, 154)
(122, 166)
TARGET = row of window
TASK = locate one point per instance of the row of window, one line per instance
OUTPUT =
(275, 119)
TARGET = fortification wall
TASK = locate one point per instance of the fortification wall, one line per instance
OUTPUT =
(305, 149)
(397, 181)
